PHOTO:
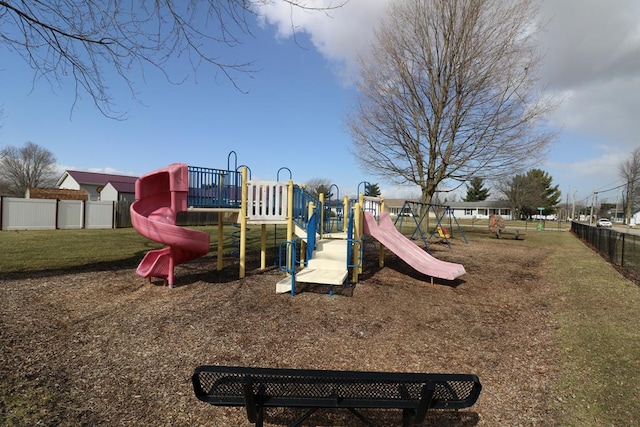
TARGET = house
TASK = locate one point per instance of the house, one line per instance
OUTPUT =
(395, 207)
(460, 210)
(119, 191)
(100, 186)
(481, 210)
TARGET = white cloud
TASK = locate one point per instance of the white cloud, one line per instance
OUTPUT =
(592, 63)
(340, 34)
(593, 55)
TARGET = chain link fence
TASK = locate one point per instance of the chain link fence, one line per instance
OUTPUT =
(619, 248)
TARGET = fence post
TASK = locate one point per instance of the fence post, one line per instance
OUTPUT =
(623, 245)
(83, 214)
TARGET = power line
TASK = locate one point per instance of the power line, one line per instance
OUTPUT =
(611, 189)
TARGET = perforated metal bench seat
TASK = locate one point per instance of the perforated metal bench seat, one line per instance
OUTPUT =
(258, 388)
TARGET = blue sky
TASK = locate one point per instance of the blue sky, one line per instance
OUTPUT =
(297, 101)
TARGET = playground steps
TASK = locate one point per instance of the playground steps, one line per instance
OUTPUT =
(328, 266)
(300, 232)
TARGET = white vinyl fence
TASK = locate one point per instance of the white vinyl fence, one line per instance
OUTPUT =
(47, 214)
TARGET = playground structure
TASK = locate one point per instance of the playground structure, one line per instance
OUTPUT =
(324, 238)
(420, 213)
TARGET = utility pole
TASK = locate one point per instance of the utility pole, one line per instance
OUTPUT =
(573, 207)
(593, 198)
(616, 214)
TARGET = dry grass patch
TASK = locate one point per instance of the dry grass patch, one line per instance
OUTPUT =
(104, 347)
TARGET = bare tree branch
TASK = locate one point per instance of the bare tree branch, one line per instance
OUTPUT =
(449, 92)
(88, 40)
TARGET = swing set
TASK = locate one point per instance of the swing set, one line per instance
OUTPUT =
(441, 213)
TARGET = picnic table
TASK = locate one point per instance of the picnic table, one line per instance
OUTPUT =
(259, 388)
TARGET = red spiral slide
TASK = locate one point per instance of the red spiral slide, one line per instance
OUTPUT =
(160, 195)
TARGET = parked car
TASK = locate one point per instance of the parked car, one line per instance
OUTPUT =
(603, 222)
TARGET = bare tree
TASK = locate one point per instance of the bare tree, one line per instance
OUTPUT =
(317, 186)
(89, 40)
(449, 92)
(26, 167)
(629, 170)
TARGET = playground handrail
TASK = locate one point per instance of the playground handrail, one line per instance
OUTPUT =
(214, 188)
(301, 200)
(289, 265)
(311, 237)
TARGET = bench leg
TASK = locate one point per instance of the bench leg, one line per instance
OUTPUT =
(303, 418)
(407, 417)
(255, 414)
(426, 397)
(361, 417)
(310, 412)
(259, 417)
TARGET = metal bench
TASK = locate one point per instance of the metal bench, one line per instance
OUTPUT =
(517, 234)
(259, 388)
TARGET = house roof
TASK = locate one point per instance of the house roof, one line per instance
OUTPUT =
(123, 187)
(57, 193)
(93, 178)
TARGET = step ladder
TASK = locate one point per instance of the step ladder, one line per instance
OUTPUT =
(328, 266)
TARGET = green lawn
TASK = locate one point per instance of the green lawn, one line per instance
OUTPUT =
(598, 314)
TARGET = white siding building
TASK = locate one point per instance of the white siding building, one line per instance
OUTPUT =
(118, 187)
(460, 210)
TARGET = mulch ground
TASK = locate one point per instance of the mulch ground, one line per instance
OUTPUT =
(106, 347)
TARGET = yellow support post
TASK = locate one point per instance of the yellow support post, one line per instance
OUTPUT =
(356, 236)
(289, 223)
(243, 223)
(345, 214)
(381, 253)
(263, 247)
(321, 219)
(358, 223)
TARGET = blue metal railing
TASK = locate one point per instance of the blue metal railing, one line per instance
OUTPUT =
(214, 188)
(301, 200)
(311, 237)
(289, 249)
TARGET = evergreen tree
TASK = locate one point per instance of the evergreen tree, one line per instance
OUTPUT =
(527, 192)
(372, 190)
(475, 191)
